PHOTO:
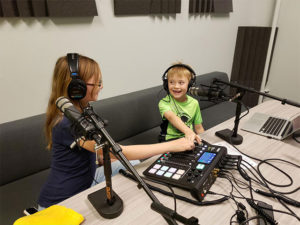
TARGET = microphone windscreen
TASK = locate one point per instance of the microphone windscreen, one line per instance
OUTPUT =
(63, 103)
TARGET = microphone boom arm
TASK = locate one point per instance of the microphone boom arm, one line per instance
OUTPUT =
(167, 213)
(282, 100)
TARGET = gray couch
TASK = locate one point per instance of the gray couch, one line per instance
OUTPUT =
(133, 119)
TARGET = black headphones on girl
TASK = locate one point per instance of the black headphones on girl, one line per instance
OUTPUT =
(77, 87)
(165, 76)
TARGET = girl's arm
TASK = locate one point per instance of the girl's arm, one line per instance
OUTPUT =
(144, 151)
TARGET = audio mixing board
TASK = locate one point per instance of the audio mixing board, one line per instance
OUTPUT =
(193, 170)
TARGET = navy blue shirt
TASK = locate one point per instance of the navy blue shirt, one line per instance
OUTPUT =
(72, 170)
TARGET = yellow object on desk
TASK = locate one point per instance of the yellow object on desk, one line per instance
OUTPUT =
(54, 215)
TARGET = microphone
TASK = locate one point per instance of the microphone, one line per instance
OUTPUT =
(82, 125)
(199, 91)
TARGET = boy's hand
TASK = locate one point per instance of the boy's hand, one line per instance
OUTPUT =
(192, 136)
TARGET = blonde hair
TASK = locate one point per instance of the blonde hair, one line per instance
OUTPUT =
(60, 81)
(180, 71)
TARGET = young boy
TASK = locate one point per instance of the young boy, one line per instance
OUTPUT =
(180, 113)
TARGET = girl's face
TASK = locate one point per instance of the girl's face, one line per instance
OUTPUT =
(178, 86)
(93, 87)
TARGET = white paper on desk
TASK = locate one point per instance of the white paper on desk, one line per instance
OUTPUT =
(232, 151)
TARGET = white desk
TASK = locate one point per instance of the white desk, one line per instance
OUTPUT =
(137, 203)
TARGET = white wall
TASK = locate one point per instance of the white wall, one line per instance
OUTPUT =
(284, 78)
(133, 51)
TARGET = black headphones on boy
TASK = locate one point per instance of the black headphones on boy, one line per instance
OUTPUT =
(165, 76)
(77, 87)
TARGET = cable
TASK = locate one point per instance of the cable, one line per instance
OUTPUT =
(261, 212)
(281, 199)
(203, 203)
(255, 217)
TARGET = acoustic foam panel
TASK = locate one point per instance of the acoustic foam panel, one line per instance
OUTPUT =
(1, 12)
(72, 8)
(9, 8)
(24, 8)
(249, 59)
(144, 7)
(39, 8)
(222, 6)
(210, 6)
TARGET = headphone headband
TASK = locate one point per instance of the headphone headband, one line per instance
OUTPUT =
(165, 75)
(77, 87)
(73, 61)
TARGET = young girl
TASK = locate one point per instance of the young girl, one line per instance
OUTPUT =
(74, 170)
(180, 112)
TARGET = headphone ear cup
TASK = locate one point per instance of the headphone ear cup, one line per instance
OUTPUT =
(166, 87)
(77, 89)
(192, 81)
(165, 83)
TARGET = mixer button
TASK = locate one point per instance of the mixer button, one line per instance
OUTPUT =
(172, 170)
(180, 172)
(160, 172)
(164, 168)
(152, 170)
(167, 174)
(200, 166)
(156, 166)
(176, 176)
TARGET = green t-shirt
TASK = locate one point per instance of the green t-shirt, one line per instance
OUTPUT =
(189, 110)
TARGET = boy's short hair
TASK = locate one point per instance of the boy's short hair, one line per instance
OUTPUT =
(179, 70)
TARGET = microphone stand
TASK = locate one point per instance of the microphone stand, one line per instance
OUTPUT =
(104, 200)
(231, 136)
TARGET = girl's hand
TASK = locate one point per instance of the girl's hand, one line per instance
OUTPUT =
(182, 144)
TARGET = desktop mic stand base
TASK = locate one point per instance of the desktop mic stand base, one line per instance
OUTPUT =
(227, 135)
(231, 136)
(99, 201)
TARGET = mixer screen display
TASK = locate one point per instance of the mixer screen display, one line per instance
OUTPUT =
(207, 157)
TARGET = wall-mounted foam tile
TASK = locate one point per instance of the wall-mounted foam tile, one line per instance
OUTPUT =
(72, 8)
(24, 8)
(9, 8)
(222, 6)
(39, 8)
(144, 7)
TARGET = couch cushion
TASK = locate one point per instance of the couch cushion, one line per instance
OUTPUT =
(130, 114)
(22, 148)
(217, 114)
(146, 137)
(19, 195)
